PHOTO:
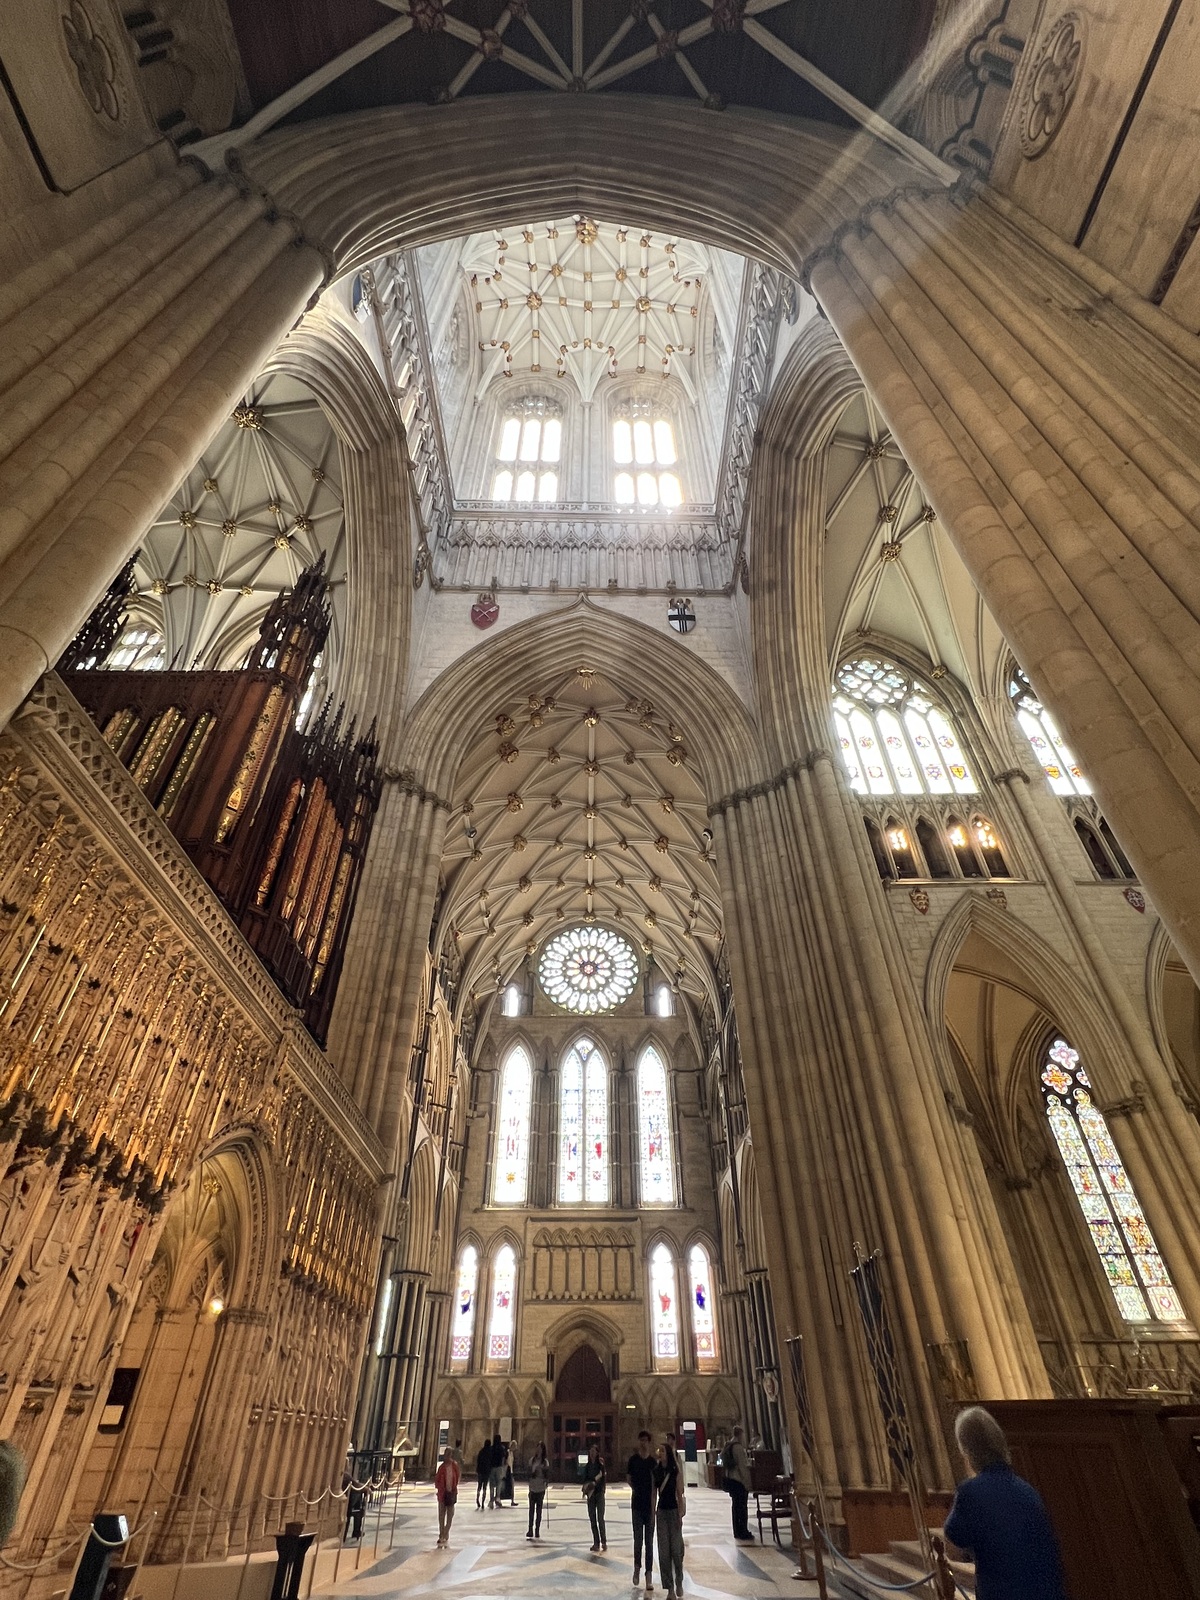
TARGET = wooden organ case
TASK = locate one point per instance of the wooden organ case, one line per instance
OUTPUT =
(277, 820)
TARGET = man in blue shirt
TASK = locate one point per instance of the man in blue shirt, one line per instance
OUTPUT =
(1000, 1519)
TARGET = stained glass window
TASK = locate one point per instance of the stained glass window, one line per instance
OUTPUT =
(504, 1295)
(1064, 773)
(704, 1325)
(654, 1121)
(664, 1308)
(588, 969)
(140, 648)
(528, 454)
(583, 1126)
(894, 739)
(463, 1329)
(1136, 1272)
(511, 1180)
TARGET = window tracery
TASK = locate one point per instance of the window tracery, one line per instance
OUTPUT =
(905, 758)
(510, 1184)
(588, 969)
(654, 1130)
(463, 1329)
(583, 1126)
(503, 1313)
(140, 648)
(646, 458)
(1133, 1266)
(664, 1309)
(529, 452)
(704, 1323)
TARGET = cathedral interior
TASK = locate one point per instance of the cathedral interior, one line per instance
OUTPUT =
(599, 755)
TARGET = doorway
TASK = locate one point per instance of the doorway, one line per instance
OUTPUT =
(583, 1415)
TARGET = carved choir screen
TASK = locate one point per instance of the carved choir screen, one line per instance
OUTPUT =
(510, 1183)
(704, 1326)
(654, 1130)
(664, 1309)
(503, 1313)
(462, 1330)
(276, 820)
(1136, 1272)
(583, 1126)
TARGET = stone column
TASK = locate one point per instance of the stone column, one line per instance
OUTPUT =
(122, 354)
(1055, 427)
(853, 1137)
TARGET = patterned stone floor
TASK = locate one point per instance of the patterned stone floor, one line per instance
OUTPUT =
(490, 1559)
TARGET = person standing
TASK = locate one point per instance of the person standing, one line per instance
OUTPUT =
(483, 1471)
(496, 1473)
(509, 1491)
(595, 1481)
(668, 1478)
(446, 1483)
(1000, 1519)
(735, 1463)
(539, 1479)
(640, 1472)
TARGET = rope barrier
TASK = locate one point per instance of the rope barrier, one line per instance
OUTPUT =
(864, 1577)
(90, 1530)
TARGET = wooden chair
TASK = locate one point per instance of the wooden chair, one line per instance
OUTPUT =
(778, 1508)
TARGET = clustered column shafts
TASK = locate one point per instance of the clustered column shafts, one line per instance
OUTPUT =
(1059, 461)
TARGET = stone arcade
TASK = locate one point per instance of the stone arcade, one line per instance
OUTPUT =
(599, 664)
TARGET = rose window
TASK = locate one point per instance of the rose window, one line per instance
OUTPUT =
(588, 969)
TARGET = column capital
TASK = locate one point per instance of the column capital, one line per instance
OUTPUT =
(1011, 775)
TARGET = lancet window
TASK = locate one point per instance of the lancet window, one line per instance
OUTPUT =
(141, 648)
(646, 459)
(654, 1130)
(510, 1183)
(704, 1320)
(529, 453)
(1133, 1266)
(502, 1320)
(463, 1330)
(1067, 779)
(664, 1309)
(906, 759)
(583, 1126)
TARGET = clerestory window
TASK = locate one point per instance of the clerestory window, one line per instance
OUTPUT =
(647, 462)
(528, 455)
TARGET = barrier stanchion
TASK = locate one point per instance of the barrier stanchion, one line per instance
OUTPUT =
(818, 1556)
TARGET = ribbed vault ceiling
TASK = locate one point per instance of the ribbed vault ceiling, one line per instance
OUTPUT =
(582, 804)
(890, 571)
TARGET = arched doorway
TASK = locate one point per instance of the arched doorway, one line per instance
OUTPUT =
(583, 1414)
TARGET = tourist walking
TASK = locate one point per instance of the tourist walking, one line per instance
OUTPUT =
(595, 1481)
(640, 1472)
(446, 1483)
(668, 1478)
(1000, 1519)
(509, 1490)
(496, 1473)
(539, 1479)
(735, 1464)
(483, 1471)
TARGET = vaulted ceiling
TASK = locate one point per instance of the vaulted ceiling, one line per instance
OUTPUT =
(582, 805)
(725, 52)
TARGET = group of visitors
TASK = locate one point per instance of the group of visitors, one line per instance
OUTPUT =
(658, 1504)
(494, 1475)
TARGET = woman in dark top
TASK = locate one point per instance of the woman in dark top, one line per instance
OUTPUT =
(668, 1477)
(595, 1480)
(1000, 1519)
(483, 1471)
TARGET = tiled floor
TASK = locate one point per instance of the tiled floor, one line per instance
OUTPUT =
(490, 1559)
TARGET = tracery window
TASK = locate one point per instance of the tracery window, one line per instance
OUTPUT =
(664, 1001)
(140, 648)
(583, 1126)
(510, 1183)
(654, 1125)
(528, 453)
(646, 459)
(1136, 1272)
(704, 1324)
(1064, 773)
(664, 1309)
(588, 970)
(510, 1003)
(895, 739)
(504, 1297)
(463, 1330)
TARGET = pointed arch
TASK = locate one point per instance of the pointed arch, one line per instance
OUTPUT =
(584, 1121)
(663, 1269)
(702, 1305)
(503, 1276)
(514, 1110)
(656, 1159)
(464, 1310)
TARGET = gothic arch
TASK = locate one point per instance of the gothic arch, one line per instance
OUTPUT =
(565, 1336)
(422, 1201)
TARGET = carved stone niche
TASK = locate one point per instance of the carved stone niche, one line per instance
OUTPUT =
(583, 1263)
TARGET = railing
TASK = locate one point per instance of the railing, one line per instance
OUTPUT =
(1114, 1369)
(939, 1582)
